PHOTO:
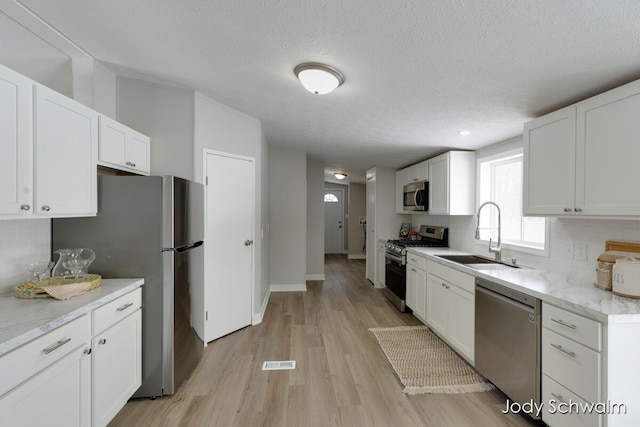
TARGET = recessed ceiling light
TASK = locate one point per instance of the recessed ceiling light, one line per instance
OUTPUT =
(464, 133)
(340, 175)
(318, 78)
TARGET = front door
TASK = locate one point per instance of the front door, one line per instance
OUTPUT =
(333, 221)
(229, 243)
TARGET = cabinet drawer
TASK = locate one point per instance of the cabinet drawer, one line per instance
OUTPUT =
(571, 364)
(564, 408)
(578, 328)
(116, 310)
(26, 361)
(416, 261)
(462, 280)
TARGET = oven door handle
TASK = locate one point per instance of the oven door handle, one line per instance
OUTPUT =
(397, 259)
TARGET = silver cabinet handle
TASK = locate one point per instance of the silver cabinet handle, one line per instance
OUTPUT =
(56, 346)
(46, 208)
(248, 242)
(578, 209)
(124, 307)
(102, 341)
(561, 322)
(133, 165)
(414, 270)
(559, 397)
(87, 350)
(25, 207)
(567, 209)
(559, 347)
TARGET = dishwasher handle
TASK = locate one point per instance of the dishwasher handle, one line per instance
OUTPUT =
(507, 300)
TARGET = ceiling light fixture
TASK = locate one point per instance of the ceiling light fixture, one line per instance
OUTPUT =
(464, 133)
(318, 78)
(340, 175)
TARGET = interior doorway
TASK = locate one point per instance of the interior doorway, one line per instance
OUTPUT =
(334, 221)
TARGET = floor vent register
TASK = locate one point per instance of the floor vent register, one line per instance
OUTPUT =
(279, 365)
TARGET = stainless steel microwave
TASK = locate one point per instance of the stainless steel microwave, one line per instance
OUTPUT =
(416, 196)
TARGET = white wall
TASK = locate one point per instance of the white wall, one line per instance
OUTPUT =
(104, 91)
(165, 114)
(287, 219)
(315, 220)
(218, 127)
(22, 241)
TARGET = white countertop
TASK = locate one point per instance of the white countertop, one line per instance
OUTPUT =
(561, 290)
(22, 320)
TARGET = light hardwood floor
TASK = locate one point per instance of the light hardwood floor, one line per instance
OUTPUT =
(342, 377)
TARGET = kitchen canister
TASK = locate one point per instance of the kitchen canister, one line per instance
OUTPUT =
(626, 277)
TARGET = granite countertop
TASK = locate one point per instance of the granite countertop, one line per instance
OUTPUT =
(22, 320)
(561, 290)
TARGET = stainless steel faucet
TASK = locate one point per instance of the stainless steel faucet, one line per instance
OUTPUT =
(493, 249)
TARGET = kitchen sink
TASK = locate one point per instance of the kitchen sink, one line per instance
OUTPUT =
(477, 262)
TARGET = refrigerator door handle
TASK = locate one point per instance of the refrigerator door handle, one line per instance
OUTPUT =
(185, 247)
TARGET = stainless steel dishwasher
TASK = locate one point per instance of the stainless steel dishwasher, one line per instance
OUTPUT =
(507, 340)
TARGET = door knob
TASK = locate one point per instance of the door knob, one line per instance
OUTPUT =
(248, 242)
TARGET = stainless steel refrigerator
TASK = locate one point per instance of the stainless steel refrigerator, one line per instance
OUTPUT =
(150, 227)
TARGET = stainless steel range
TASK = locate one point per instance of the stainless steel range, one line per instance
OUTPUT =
(396, 260)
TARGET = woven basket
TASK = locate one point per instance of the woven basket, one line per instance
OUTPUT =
(30, 290)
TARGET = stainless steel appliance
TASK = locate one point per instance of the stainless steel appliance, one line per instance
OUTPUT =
(150, 227)
(507, 340)
(396, 260)
(416, 196)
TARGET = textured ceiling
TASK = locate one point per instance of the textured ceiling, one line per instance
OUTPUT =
(417, 72)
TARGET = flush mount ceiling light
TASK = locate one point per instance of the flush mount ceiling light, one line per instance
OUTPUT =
(464, 133)
(340, 175)
(318, 78)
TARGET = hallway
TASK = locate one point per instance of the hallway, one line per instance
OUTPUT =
(342, 377)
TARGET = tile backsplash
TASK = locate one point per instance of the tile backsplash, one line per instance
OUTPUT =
(563, 232)
(22, 241)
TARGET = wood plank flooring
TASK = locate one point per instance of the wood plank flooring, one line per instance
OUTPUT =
(342, 377)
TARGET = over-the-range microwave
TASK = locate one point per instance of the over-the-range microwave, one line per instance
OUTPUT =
(416, 196)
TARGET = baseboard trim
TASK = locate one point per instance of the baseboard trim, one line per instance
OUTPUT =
(256, 319)
(288, 288)
(357, 256)
(315, 276)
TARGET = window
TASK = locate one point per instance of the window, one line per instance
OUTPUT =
(331, 198)
(500, 181)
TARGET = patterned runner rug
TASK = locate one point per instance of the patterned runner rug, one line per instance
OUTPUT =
(425, 364)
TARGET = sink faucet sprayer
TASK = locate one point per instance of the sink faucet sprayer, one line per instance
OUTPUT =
(493, 249)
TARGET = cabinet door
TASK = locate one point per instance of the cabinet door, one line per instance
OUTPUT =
(411, 297)
(421, 294)
(461, 321)
(549, 164)
(16, 161)
(437, 304)
(439, 185)
(65, 152)
(608, 150)
(117, 367)
(138, 152)
(57, 396)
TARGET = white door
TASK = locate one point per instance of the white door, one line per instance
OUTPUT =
(229, 243)
(333, 221)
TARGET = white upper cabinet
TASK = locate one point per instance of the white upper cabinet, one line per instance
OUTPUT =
(123, 148)
(16, 160)
(452, 183)
(581, 160)
(549, 164)
(49, 146)
(65, 149)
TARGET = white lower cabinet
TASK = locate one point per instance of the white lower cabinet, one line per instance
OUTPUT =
(416, 297)
(117, 370)
(67, 378)
(450, 310)
(571, 368)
